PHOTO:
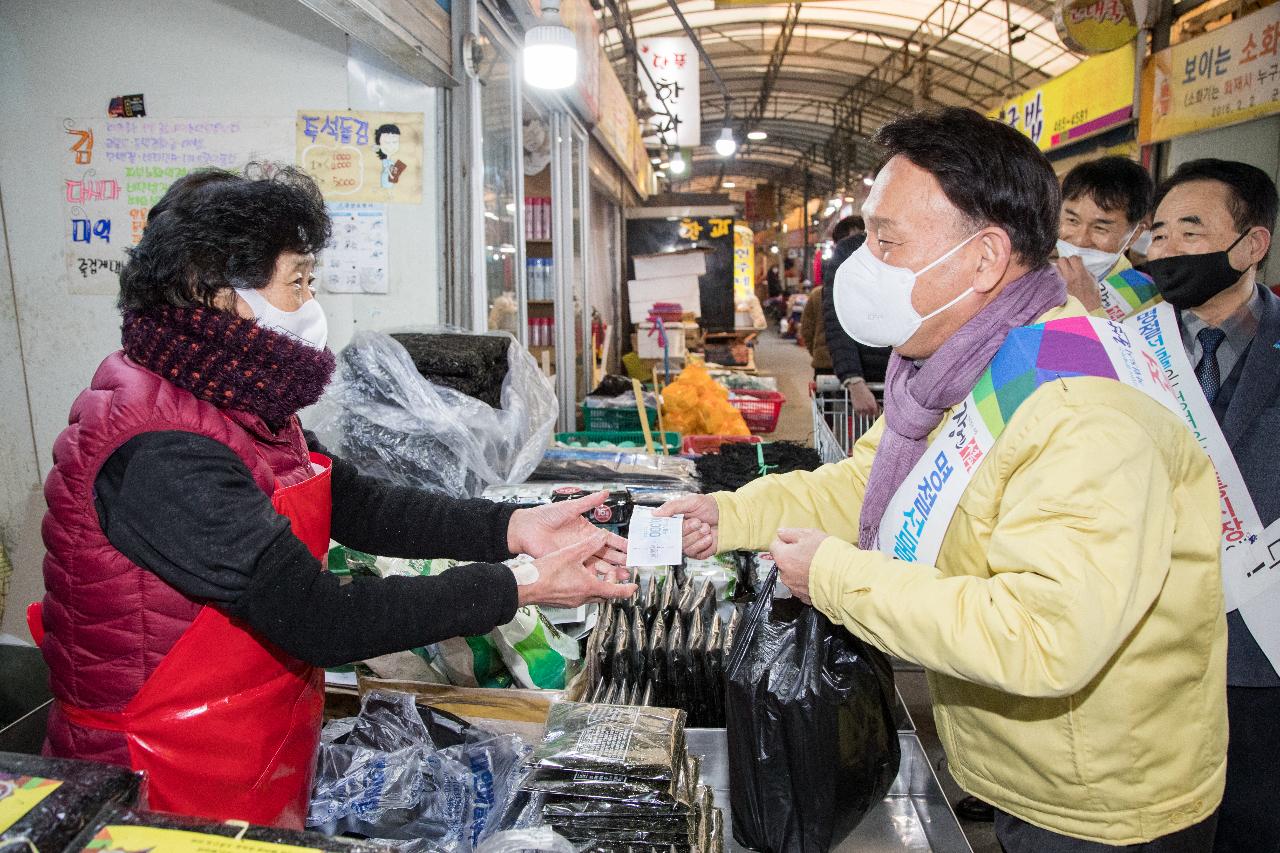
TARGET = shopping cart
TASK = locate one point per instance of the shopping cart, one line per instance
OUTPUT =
(836, 426)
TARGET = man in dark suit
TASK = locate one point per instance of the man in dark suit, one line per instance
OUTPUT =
(1213, 227)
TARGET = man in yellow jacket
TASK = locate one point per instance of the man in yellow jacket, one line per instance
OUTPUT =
(1067, 604)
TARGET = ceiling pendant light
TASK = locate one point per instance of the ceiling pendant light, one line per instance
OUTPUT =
(550, 52)
(726, 144)
(676, 166)
(757, 135)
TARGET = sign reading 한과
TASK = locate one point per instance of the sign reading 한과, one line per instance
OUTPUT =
(1094, 96)
(673, 64)
(1226, 76)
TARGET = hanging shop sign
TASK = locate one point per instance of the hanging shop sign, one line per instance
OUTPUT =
(114, 169)
(1099, 26)
(677, 99)
(581, 21)
(362, 156)
(619, 130)
(1095, 96)
(744, 262)
(1223, 77)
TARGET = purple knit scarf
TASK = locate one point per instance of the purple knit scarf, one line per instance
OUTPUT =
(228, 361)
(917, 396)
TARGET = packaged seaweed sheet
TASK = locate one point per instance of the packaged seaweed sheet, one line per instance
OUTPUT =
(640, 743)
(46, 802)
(118, 829)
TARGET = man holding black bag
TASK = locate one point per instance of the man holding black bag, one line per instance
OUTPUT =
(1029, 521)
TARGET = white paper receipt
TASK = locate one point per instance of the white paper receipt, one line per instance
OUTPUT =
(654, 541)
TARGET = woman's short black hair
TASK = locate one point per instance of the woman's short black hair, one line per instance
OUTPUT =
(215, 229)
(1252, 196)
(1112, 183)
(378, 134)
(989, 171)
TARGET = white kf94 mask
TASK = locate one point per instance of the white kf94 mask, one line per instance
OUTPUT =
(307, 324)
(873, 299)
(1096, 261)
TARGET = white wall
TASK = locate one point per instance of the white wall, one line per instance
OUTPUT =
(190, 58)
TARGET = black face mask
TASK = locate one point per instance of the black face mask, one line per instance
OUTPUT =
(1188, 281)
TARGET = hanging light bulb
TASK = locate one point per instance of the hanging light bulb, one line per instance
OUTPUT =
(676, 166)
(757, 135)
(726, 144)
(550, 52)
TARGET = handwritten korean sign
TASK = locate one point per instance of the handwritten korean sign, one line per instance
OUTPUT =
(362, 156)
(673, 64)
(114, 169)
(744, 262)
(1226, 76)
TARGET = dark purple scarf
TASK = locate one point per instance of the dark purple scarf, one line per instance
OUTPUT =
(916, 397)
(228, 361)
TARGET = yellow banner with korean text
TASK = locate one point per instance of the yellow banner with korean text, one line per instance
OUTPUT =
(1223, 77)
(1095, 96)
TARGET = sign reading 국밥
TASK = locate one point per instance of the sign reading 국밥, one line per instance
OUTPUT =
(1094, 96)
(1226, 76)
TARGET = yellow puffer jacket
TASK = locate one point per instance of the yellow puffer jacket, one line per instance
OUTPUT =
(1073, 630)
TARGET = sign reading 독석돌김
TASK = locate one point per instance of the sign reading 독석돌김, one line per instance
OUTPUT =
(1092, 97)
(114, 170)
(1223, 77)
(362, 156)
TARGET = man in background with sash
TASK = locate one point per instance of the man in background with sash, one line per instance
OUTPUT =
(1213, 227)
(1105, 204)
(1030, 520)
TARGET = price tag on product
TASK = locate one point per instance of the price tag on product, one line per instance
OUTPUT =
(654, 541)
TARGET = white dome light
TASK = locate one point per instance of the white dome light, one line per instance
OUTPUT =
(757, 135)
(726, 144)
(550, 53)
(676, 166)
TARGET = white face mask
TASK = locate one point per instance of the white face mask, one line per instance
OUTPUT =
(1096, 261)
(1143, 244)
(307, 324)
(873, 299)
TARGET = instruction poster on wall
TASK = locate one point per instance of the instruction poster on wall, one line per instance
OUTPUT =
(362, 156)
(115, 169)
(355, 258)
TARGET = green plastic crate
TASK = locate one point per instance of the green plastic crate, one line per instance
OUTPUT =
(672, 440)
(615, 420)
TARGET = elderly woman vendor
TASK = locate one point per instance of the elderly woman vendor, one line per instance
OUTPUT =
(188, 610)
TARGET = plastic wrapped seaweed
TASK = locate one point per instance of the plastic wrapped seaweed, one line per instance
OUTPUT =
(472, 364)
(125, 829)
(384, 775)
(64, 797)
(381, 414)
(642, 743)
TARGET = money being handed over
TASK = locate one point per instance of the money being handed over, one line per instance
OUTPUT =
(654, 541)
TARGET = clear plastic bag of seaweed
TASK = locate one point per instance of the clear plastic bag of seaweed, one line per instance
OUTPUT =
(643, 743)
(70, 795)
(620, 668)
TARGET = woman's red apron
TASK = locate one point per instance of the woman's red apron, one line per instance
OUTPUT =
(227, 725)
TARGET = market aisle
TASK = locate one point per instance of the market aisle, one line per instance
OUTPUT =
(780, 357)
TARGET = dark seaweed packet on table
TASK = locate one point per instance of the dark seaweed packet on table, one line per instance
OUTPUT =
(596, 786)
(638, 661)
(644, 743)
(652, 600)
(621, 668)
(667, 607)
(294, 838)
(77, 792)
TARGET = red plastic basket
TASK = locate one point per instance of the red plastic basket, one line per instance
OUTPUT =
(760, 409)
(697, 445)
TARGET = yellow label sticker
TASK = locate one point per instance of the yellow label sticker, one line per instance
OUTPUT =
(20, 794)
(148, 839)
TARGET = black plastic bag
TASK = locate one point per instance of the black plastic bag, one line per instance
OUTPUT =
(809, 712)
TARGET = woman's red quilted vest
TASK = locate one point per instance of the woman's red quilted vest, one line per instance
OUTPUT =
(108, 622)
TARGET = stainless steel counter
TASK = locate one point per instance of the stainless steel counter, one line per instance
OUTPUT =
(914, 816)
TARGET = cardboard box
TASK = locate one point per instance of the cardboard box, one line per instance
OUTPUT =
(647, 345)
(667, 264)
